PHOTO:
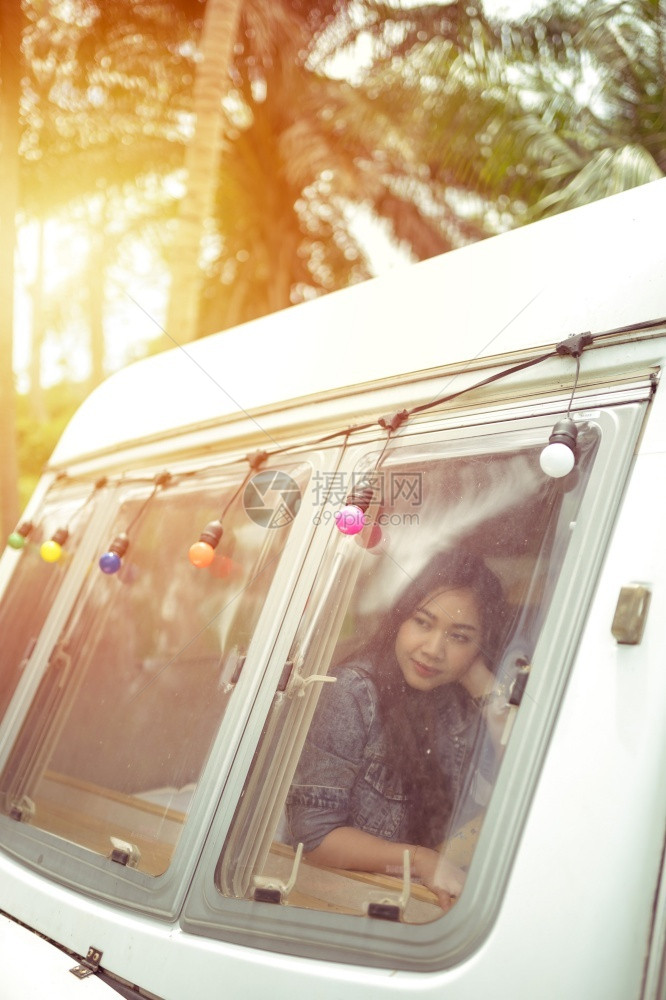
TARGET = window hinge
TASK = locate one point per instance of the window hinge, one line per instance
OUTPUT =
(285, 675)
(519, 683)
(23, 810)
(516, 693)
(235, 677)
(89, 965)
(124, 853)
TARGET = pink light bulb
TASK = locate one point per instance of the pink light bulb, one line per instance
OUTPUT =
(349, 520)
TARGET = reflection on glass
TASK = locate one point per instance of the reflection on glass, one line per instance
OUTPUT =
(426, 635)
(29, 596)
(136, 686)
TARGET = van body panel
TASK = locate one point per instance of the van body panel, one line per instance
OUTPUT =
(564, 899)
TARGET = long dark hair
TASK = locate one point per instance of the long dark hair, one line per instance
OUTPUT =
(409, 716)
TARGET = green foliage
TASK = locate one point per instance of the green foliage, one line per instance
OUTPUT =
(586, 102)
(38, 435)
(455, 125)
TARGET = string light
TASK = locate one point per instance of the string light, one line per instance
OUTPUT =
(559, 456)
(202, 553)
(18, 539)
(355, 428)
(111, 561)
(51, 550)
(351, 519)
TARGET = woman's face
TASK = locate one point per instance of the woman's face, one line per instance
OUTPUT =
(439, 642)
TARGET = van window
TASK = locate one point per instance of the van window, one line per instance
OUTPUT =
(407, 671)
(115, 740)
(35, 581)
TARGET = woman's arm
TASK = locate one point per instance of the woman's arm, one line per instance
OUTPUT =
(347, 847)
(481, 685)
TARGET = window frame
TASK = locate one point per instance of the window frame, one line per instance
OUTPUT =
(620, 416)
(79, 867)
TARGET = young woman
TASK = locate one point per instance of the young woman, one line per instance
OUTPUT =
(396, 742)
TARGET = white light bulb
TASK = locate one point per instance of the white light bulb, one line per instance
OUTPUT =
(557, 460)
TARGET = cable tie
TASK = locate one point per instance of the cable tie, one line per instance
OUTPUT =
(256, 458)
(391, 423)
(573, 346)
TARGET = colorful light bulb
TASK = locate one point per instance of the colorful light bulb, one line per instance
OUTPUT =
(559, 456)
(51, 550)
(112, 560)
(18, 538)
(351, 519)
(202, 553)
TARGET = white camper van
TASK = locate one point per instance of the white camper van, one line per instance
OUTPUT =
(188, 677)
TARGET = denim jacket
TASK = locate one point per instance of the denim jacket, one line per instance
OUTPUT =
(343, 778)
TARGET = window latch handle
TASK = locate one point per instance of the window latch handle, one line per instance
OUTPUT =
(274, 890)
(386, 906)
(300, 684)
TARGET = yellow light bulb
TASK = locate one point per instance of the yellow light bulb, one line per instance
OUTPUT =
(50, 551)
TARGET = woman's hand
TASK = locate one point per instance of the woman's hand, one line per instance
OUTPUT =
(481, 684)
(442, 877)
(477, 679)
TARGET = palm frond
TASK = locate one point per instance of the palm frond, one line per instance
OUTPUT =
(609, 172)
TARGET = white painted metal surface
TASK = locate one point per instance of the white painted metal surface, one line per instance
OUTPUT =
(575, 917)
(33, 969)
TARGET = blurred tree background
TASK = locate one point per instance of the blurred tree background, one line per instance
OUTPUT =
(175, 167)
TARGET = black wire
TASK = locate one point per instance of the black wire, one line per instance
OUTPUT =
(486, 381)
(422, 408)
(345, 432)
(237, 493)
(160, 482)
(575, 385)
(100, 483)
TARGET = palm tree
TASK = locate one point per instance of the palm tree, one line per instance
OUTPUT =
(525, 118)
(11, 28)
(586, 111)
(103, 95)
(303, 150)
(202, 160)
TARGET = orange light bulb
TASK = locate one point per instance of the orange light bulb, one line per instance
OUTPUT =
(201, 554)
